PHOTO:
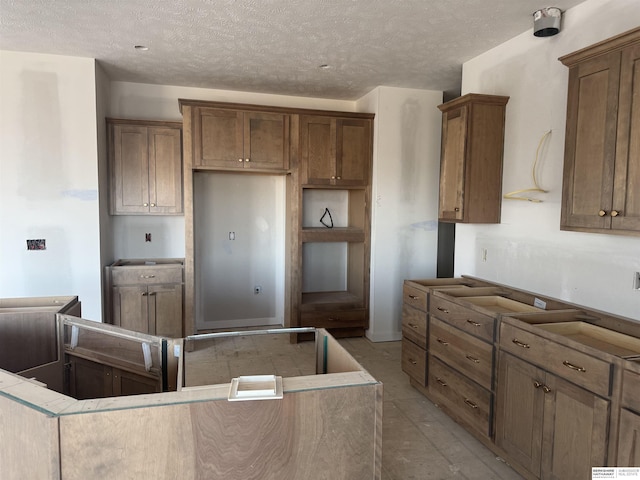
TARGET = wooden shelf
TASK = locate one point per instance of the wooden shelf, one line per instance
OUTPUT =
(338, 234)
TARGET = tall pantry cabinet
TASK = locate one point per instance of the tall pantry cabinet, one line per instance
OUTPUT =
(326, 157)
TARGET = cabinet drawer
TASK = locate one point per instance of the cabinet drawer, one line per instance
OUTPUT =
(414, 361)
(465, 353)
(334, 319)
(631, 391)
(577, 367)
(415, 297)
(475, 323)
(463, 398)
(414, 325)
(146, 275)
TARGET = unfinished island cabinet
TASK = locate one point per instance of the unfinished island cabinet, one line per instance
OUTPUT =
(226, 137)
(145, 162)
(471, 159)
(602, 142)
(147, 296)
(333, 226)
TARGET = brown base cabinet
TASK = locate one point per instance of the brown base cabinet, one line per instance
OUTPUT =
(554, 391)
(89, 379)
(549, 426)
(146, 296)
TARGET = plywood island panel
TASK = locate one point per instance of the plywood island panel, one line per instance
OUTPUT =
(327, 425)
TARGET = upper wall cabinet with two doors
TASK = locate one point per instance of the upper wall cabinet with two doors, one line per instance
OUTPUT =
(145, 167)
(229, 138)
(601, 189)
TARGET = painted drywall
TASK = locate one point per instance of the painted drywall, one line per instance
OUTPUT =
(49, 178)
(239, 244)
(406, 168)
(527, 249)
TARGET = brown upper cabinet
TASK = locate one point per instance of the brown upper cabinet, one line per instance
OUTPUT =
(471, 159)
(233, 139)
(335, 150)
(601, 183)
(145, 161)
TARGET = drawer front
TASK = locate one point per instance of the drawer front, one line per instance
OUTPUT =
(463, 398)
(631, 391)
(414, 325)
(146, 275)
(482, 326)
(414, 297)
(577, 367)
(334, 319)
(465, 353)
(414, 361)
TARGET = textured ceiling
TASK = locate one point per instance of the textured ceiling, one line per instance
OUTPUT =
(272, 46)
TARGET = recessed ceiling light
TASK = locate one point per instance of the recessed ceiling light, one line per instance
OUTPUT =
(141, 47)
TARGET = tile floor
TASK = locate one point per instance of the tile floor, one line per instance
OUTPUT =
(418, 440)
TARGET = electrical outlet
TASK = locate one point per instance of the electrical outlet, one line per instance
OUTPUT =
(257, 290)
(636, 281)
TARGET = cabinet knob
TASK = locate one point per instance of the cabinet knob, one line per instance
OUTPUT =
(247, 159)
(145, 294)
(153, 204)
(602, 213)
(615, 213)
(240, 160)
(333, 177)
(339, 178)
(145, 204)
(457, 209)
(537, 384)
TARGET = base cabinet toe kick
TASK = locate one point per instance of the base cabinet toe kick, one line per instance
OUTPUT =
(551, 387)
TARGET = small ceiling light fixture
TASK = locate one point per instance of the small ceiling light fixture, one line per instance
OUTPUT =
(141, 47)
(546, 22)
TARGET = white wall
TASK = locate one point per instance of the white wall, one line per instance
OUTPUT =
(527, 249)
(49, 178)
(405, 198)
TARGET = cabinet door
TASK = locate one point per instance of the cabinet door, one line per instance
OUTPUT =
(266, 141)
(454, 137)
(165, 170)
(318, 149)
(218, 138)
(89, 379)
(127, 383)
(575, 431)
(165, 310)
(353, 152)
(130, 308)
(129, 161)
(590, 145)
(519, 411)
(626, 191)
(629, 439)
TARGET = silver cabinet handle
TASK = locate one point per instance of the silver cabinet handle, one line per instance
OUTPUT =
(413, 297)
(470, 403)
(446, 344)
(147, 276)
(473, 359)
(441, 382)
(475, 324)
(443, 310)
(520, 344)
(574, 367)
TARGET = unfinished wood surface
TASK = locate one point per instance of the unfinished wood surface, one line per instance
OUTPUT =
(629, 439)
(414, 325)
(600, 338)
(29, 442)
(414, 361)
(29, 339)
(316, 434)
